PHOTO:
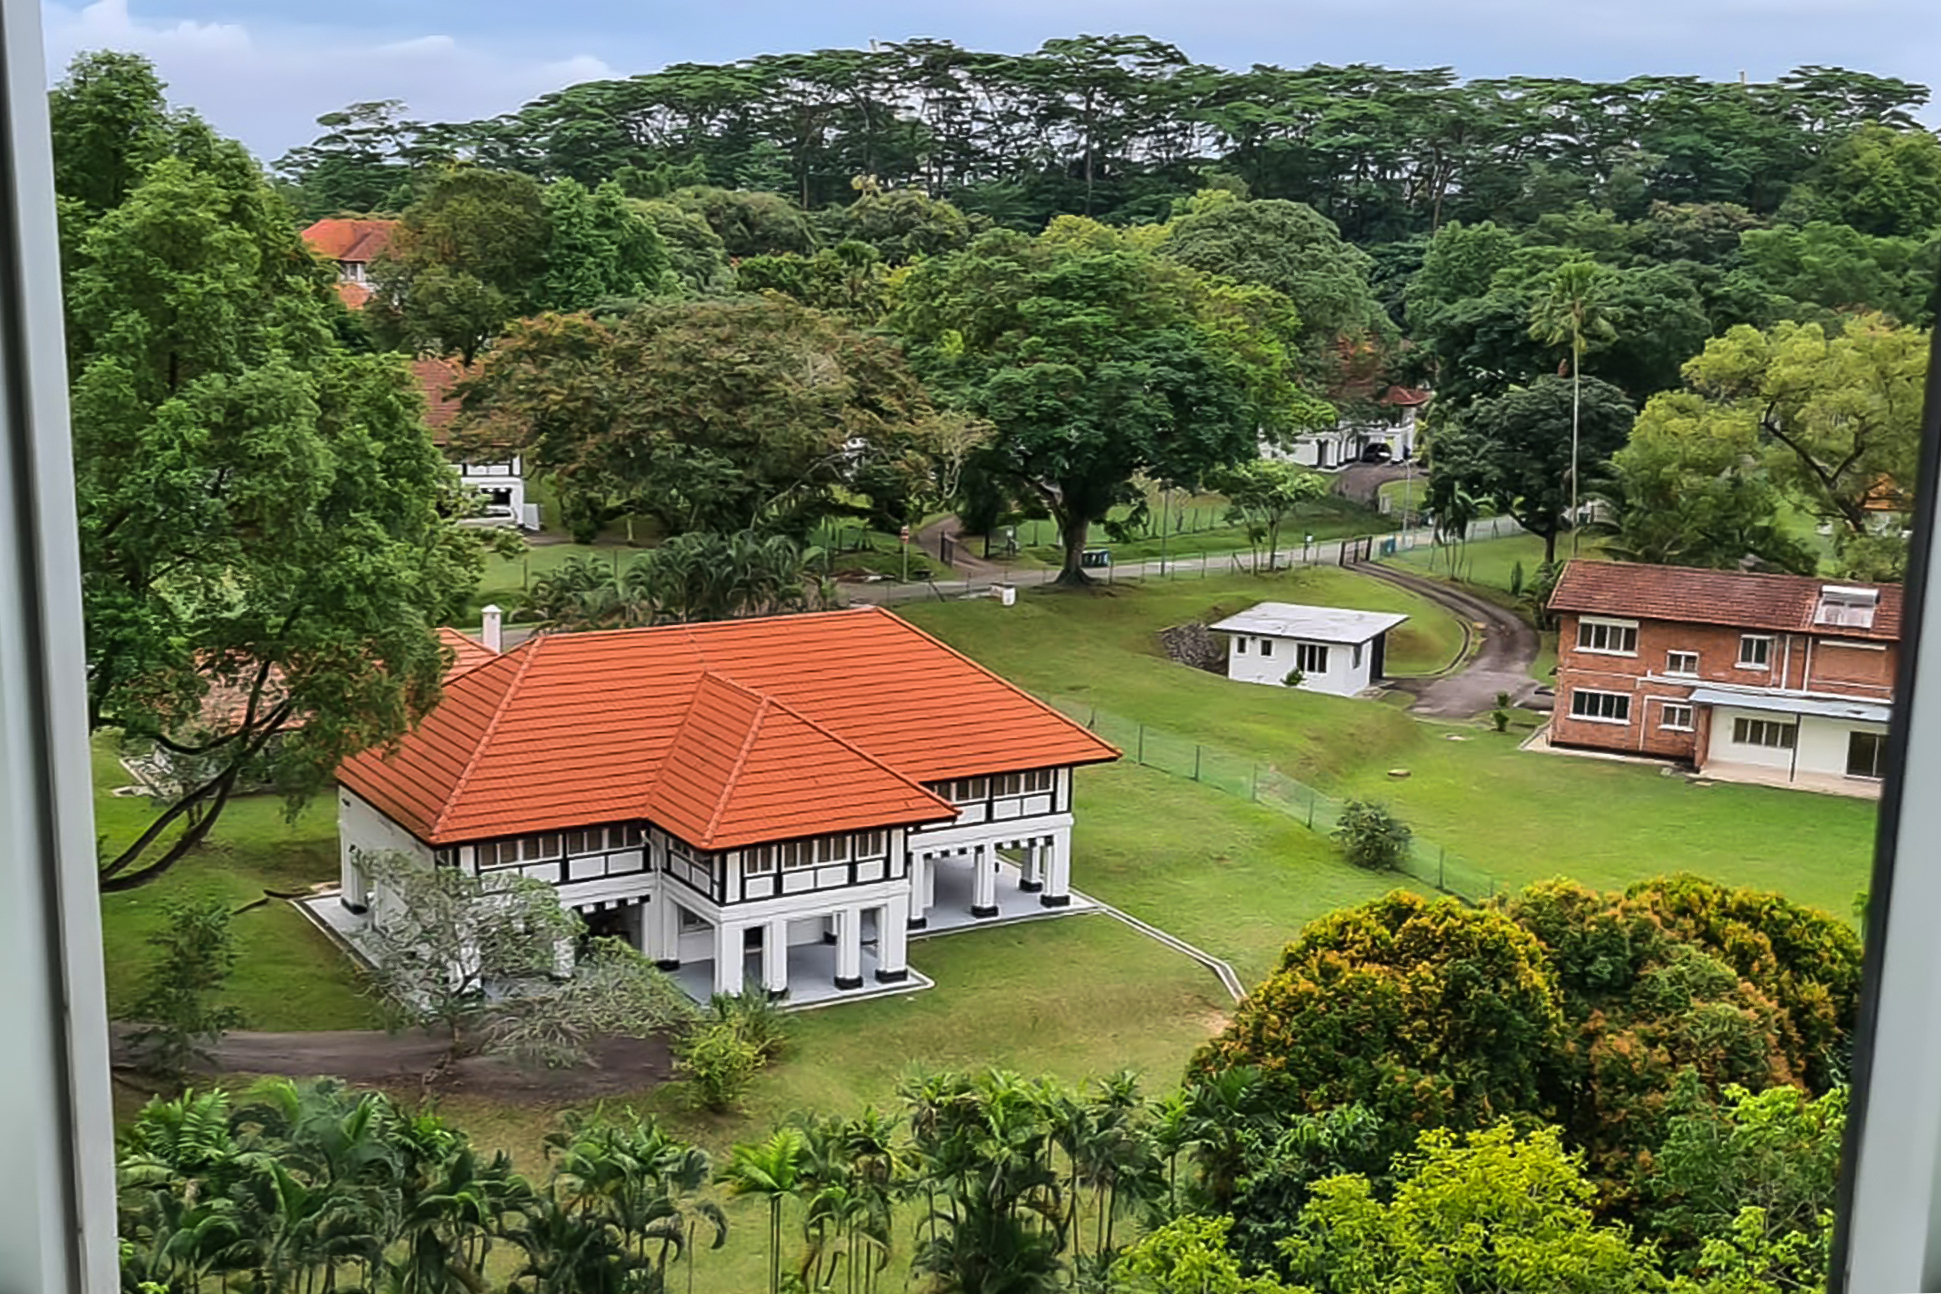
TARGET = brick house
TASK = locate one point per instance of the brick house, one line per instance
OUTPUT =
(1781, 679)
(499, 479)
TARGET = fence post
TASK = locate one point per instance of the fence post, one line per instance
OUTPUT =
(1442, 856)
(1253, 784)
(1310, 810)
(1093, 721)
(1196, 760)
(1141, 758)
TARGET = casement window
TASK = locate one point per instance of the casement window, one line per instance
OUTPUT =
(520, 849)
(832, 849)
(1035, 782)
(791, 856)
(1610, 637)
(1770, 733)
(872, 844)
(1678, 718)
(1681, 662)
(1239, 646)
(690, 922)
(1755, 651)
(1266, 646)
(1311, 658)
(1600, 707)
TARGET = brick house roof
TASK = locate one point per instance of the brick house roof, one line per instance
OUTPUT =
(1742, 600)
(355, 241)
(353, 295)
(736, 732)
(436, 378)
(226, 703)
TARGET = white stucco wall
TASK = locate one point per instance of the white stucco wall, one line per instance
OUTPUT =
(362, 829)
(1343, 676)
(1820, 745)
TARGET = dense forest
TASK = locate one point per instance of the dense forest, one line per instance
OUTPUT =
(1117, 127)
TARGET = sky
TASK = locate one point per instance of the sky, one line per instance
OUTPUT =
(263, 70)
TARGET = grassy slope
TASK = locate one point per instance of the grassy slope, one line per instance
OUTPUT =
(289, 976)
(1100, 646)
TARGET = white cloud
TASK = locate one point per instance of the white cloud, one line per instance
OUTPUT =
(266, 83)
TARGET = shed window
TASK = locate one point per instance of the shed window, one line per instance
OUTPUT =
(1266, 646)
(1311, 658)
(1239, 645)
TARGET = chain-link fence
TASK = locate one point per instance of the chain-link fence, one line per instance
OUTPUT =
(1263, 784)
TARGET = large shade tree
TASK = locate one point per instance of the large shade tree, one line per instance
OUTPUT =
(264, 536)
(718, 416)
(1520, 447)
(1097, 362)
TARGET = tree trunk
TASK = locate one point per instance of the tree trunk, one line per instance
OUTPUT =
(1074, 529)
(1550, 548)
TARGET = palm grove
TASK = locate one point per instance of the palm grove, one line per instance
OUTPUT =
(730, 303)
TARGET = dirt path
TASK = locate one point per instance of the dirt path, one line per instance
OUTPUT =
(370, 1056)
(1509, 648)
(1362, 482)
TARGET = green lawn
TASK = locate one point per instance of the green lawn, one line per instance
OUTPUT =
(1100, 646)
(1488, 563)
(1520, 816)
(1202, 530)
(289, 975)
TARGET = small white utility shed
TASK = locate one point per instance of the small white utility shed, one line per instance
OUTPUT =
(1334, 649)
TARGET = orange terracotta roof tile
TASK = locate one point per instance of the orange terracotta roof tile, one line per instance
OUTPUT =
(570, 729)
(356, 241)
(1744, 600)
(436, 378)
(744, 768)
(467, 652)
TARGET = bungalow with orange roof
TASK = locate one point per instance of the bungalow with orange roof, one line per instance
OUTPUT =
(781, 800)
(353, 244)
(498, 477)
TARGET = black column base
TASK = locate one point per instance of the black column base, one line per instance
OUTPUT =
(356, 909)
(829, 937)
(917, 923)
(673, 965)
(892, 977)
(983, 912)
(778, 995)
(1055, 900)
(1031, 887)
(849, 981)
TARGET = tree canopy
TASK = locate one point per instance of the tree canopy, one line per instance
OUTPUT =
(265, 532)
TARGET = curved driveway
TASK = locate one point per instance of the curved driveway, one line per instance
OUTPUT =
(1509, 648)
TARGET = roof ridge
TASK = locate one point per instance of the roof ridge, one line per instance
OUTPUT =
(848, 745)
(530, 648)
(995, 677)
(741, 756)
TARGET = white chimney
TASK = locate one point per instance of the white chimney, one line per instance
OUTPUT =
(489, 631)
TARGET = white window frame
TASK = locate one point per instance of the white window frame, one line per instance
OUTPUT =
(1616, 721)
(1311, 658)
(1748, 731)
(1591, 628)
(1765, 650)
(1671, 668)
(1266, 646)
(1678, 707)
(1239, 645)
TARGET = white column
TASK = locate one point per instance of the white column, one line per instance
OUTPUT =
(983, 881)
(356, 893)
(1058, 870)
(1032, 869)
(775, 956)
(892, 942)
(727, 957)
(923, 873)
(849, 948)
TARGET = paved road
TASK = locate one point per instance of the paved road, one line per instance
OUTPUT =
(1509, 648)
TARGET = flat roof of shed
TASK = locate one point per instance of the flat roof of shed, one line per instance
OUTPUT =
(1315, 624)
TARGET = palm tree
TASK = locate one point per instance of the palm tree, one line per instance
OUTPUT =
(1576, 310)
(773, 1171)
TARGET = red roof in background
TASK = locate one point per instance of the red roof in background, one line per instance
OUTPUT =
(358, 241)
(745, 730)
(470, 652)
(1739, 599)
(436, 378)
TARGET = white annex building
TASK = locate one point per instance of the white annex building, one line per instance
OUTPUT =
(780, 800)
(1333, 649)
